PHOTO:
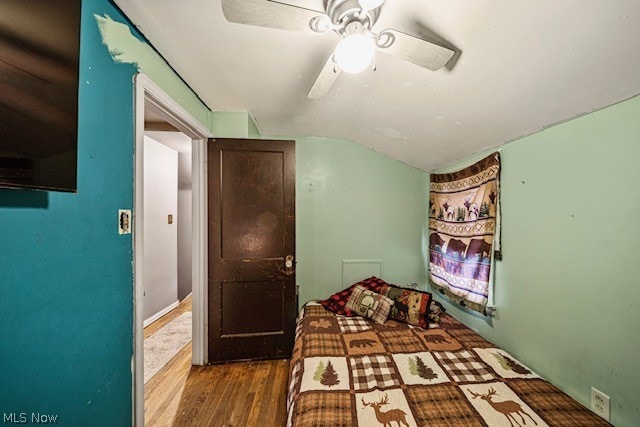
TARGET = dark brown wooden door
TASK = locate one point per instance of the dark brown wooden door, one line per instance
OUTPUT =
(252, 286)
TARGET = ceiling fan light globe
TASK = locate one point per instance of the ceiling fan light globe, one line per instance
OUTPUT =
(355, 53)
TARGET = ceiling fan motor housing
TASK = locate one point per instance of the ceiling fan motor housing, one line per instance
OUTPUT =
(342, 12)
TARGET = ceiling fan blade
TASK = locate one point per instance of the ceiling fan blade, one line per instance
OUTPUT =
(325, 79)
(421, 52)
(270, 14)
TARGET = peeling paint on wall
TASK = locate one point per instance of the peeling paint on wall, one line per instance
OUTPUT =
(126, 48)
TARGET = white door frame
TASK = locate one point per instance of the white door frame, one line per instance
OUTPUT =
(147, 91)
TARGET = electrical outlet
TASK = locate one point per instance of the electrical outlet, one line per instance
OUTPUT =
(600, 403)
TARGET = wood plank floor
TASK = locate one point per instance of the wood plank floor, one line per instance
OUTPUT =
(232, 394)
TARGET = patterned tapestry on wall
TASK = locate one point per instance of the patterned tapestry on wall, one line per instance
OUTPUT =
(462, 225)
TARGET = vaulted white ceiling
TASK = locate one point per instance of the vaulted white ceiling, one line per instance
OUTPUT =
(523, 65)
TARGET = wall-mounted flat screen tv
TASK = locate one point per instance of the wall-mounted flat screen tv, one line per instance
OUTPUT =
(39, 61)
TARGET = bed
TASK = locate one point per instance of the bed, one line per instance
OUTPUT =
(351, 371)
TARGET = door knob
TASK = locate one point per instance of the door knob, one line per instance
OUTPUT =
(288, 265)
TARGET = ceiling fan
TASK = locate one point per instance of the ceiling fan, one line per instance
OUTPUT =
(353, 21)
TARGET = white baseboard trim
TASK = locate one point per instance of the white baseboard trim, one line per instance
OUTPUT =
(159, 314)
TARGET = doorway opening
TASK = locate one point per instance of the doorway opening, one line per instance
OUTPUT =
(164, 223)
(166, 305)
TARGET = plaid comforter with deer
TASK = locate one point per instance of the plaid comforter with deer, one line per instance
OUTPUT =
(348, 371)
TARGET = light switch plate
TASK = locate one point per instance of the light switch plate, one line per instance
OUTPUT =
(124, 221)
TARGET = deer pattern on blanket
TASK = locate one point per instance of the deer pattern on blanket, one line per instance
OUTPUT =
(402, 375)
(389, 416)
(462, 223)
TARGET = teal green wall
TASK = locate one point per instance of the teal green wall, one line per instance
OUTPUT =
(230, 124)
(126, 47)
(355, 203)
(352, 203)
(233, 124)
(567, 290)
(566, 294)
(253, 130)
(66, 286)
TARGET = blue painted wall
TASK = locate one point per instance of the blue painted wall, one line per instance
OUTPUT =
(65, 274)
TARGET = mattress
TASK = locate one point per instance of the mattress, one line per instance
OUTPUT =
(349, 371)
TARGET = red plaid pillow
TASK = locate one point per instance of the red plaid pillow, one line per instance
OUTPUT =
(338, 301)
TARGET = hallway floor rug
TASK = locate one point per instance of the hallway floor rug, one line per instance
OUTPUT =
(162, 346)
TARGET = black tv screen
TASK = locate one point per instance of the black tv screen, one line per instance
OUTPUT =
(39, 61)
